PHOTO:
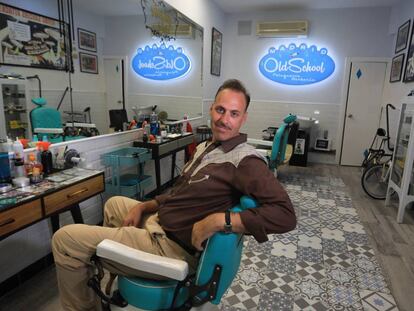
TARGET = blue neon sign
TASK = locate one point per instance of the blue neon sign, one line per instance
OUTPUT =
(297, 65)
(160, 62)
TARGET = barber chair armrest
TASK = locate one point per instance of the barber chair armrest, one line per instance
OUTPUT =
(142, 261)
(43, 130)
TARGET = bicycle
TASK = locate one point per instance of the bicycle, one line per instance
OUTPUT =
(377, 164)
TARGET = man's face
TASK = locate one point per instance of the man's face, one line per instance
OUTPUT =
(227, 114)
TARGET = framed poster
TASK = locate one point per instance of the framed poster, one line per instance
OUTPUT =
(32, 40)
(87, 40)
(396, 68)
(216, 47)
(409, 64)
(402, 36)
(88, 63)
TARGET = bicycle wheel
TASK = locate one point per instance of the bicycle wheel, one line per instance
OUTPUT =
(374, 181)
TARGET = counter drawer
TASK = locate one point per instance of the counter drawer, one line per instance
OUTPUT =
(74, 194)
(17, 217)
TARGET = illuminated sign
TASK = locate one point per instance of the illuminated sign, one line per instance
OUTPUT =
(297, 65)
(160, 62)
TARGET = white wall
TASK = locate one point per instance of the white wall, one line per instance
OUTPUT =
(345, 33)
(207, 15)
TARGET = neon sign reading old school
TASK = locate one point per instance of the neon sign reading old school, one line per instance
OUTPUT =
(297, 65)
(160, 62)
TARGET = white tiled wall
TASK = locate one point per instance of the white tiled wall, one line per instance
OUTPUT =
(175, 106)
(263, 114)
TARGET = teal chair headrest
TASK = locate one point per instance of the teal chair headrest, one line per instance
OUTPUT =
(290, 118)
(39, 101)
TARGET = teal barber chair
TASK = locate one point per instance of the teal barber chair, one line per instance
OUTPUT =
(283, 142)
(46, 121)
(217, 267)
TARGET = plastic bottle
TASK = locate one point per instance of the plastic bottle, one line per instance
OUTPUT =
(141, 119)
(18, 150)
(33, 167)
(19, 170)
(9, 148)
(185, 122)
(154, 123)
(46, 159)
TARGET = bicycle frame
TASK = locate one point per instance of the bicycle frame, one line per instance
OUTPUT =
(374, 156)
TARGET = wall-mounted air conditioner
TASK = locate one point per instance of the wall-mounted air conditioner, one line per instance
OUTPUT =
(178, 31)
(283, 29)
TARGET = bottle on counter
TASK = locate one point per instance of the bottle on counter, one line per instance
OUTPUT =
(5, 176)
(10, 151)
(141, 119)
(46, 159)
(19, 169)
(33, 167)
(18, 150)
(154, 124)
(185, 124)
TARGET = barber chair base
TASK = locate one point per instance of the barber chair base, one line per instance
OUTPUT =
(158, 295)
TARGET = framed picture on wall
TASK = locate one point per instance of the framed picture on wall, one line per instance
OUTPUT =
(88, 63)
(396, 68)
(402, 36)
(409, 63)
(87, 40)
(216, 47)
(32, 40)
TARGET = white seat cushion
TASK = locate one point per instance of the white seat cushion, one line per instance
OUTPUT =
(142, 261)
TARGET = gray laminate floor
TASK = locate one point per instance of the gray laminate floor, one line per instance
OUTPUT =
(388, 246)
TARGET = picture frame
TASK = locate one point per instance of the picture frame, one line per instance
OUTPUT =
(409, 61)
(33, 40)
(88, 63)
(87, 40)
(397, 64)
(402, 36)
(216, 48)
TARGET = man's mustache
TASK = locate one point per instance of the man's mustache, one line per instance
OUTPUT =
(223, 125)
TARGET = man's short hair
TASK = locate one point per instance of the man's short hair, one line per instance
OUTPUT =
(235, 85)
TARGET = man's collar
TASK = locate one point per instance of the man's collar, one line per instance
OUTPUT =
(232, 142)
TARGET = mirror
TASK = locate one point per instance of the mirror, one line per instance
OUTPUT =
(108, 37)
(158, 71)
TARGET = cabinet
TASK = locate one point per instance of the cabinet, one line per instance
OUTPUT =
(401, 177)
(14, 114)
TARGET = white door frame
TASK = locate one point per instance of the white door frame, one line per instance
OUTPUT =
(126, 73)
(344, 95)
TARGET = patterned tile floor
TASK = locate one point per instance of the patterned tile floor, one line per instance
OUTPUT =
(326, 263)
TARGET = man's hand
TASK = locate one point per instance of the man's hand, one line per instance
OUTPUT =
(133, 218)
(205, 228)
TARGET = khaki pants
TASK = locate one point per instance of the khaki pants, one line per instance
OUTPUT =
(73, 246)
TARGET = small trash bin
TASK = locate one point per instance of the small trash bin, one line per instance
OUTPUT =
(300, 150)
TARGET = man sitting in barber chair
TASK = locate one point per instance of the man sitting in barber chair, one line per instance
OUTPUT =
(220, 172)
